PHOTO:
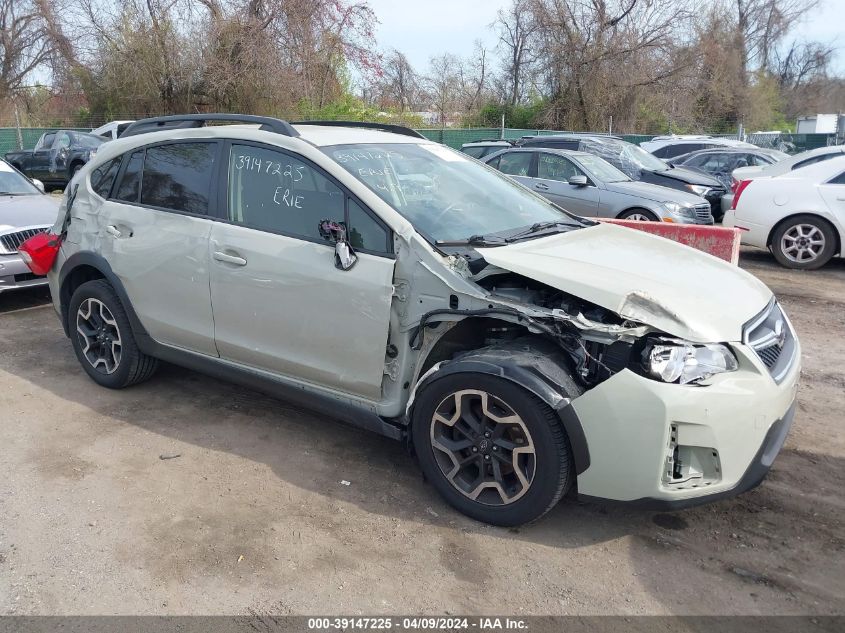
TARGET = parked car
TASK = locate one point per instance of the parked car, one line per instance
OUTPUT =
(480, 149)
(517, 348)
(667, 147)
(638, 164)
(720, 163)
(796, 161)
(590, 186)
(56, 157)
(798, 215)
(113, 130)
(25, 211)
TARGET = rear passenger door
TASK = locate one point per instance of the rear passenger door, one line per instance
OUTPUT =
(154, 230)
(280, 304)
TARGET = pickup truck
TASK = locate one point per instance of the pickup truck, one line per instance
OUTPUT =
(57, 156)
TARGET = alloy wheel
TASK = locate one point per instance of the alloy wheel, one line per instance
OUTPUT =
(802, 243)
(98, 335)
(638, 216)
(483, 447)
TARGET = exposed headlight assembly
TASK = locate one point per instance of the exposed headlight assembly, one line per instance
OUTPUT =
(674, 360)
(699, 190)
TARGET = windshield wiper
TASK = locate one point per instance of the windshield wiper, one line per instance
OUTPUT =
(541, 226)
(474, 240)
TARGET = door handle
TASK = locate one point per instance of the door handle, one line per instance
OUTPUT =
(541, 186)
(112, 230)
(229, 259)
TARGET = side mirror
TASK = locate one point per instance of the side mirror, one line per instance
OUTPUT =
(39, 185)
(578, 181)
(344, 255)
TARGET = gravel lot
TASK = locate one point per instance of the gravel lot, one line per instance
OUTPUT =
(249, 513)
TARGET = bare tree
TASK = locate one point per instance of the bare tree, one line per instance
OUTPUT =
(24, 44)
(443, 85)
(399, 82)
(516, 29)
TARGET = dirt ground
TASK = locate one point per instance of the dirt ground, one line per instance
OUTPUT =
(250, 512)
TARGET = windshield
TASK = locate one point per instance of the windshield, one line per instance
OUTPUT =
(601, 169)
(11, 182)
(444, 194)
(628, 157)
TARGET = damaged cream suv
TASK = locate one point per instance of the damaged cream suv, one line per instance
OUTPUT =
(364, 271)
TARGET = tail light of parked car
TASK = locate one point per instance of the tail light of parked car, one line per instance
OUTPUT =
(740, 187)
(39, 252)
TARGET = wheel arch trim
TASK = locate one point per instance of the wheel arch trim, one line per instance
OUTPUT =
(99, 263)
(533, 372)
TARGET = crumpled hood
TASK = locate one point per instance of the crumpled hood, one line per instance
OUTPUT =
(642, 277)
(21, 211)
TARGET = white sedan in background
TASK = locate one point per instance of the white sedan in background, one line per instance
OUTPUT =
(798, 215)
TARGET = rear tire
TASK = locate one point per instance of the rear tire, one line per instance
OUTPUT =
(803, 242)
(102, 338)
(642, 215)
(494, 451)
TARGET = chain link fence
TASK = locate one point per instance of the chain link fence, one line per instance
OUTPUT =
(456, 137)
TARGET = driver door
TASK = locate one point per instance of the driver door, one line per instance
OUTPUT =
(553, 174)
(279, 302)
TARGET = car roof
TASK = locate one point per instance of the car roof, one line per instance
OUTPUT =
(322, 135)
(817, 171)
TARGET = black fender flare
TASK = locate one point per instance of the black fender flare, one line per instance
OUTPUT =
(533, 363)
(98, 262)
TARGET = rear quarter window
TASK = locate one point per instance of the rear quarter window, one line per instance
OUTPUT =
(102, 178)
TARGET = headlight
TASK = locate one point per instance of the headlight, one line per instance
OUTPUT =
(678, 209)
(672, 360)
(699, 190)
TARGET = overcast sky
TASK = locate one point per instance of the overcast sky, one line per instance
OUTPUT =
(432, 27)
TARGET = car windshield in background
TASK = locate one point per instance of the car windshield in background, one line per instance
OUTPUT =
(12, 183)
(444, 194)
(601, 169)
(628, 157)
(89, 141)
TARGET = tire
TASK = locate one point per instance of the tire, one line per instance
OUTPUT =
(643, 215)
(96, 317)
(548, 471)
(803, 242)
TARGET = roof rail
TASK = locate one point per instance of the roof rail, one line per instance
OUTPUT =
(384, 127)
(181, 121)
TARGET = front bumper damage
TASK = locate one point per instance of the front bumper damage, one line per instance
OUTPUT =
(14, 274)
(725, 434)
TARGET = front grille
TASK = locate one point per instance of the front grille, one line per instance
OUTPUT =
(771, 336)
(10, 242)
(702, 212)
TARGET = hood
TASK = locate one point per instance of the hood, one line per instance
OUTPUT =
(34, 210)
(657, 193)
(684, 174)
(642, 277)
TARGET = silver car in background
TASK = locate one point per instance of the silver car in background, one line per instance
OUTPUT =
(590, 186)
(24, 211)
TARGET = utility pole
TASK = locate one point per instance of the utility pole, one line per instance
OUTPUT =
(502, 134)
(610, 126)
(18, 126)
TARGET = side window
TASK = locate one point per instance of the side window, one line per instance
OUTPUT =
(364, 232)
(556, 168)
(495, 162)
(839, 180)
(130, 182)
(515, 163)
(46, 141)
(103, 177)
(64, 141)
(812, 161)
(178, 176)
(273, 191)
(758, 161)
(475, 152)
(715, 163)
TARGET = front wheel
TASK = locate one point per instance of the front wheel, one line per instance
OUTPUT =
(642, 215)
(804, 242)
(493, 450)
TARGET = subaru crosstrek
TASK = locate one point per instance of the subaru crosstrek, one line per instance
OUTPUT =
(398, 285)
